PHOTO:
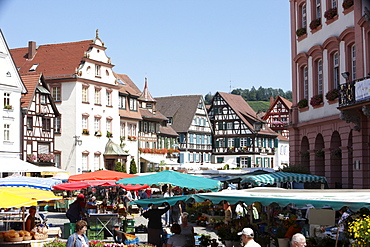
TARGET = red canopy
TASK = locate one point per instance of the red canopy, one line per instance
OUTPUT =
(101, 175)
(84, 184)
(134, 187)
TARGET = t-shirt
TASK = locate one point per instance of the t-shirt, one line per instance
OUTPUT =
(252, 243)
(177, 240)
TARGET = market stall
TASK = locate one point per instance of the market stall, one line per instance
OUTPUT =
(32, 182)
(100, 175)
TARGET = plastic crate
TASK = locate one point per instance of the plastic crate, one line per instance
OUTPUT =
(130, 230)
(95, 235)
(68, 229)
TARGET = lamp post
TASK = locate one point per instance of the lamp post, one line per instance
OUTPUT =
(77, 140)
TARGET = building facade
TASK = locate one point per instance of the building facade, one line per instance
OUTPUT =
(329, 133)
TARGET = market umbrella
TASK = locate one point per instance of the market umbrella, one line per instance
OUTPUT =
(84, 184)
(32, 182)
(282, 177)
(175, 179)
(100, 175)
(24, 196)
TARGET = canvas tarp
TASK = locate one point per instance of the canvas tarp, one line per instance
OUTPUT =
(100, 175)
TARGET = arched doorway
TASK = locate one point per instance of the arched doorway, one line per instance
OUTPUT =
(319, 161)
(305, 154)
(335, 161)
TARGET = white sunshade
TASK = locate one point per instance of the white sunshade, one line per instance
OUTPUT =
(17, 165)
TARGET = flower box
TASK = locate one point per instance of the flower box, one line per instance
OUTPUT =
(316, 100)
(315, 23)
(330, 13)
(332, 94)
(8, 107)
(109, 134)
(45, 157)
(302, 103)
(347, 4)
(98, 133)
(85, 132)
(301, 31)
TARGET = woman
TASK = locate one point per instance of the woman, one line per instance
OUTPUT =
(187, 230)
(176, 239)
(79, 239)
(30, 221)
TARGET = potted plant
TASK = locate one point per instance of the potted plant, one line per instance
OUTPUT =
(347, 4)
(305, 155)
(301, 31)
(358, 229)
(330, 13)
(336, 153)
(31, 158)
(8, 107)
(315, 23)
(332, 94)
(316, 100)
(109, 134)
(85, 131)
(320, 153)
(46, 157)
(98, 133)
(302, 103)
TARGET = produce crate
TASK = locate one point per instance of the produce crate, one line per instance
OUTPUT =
(130, 229)
(95, 235)
(68, 229)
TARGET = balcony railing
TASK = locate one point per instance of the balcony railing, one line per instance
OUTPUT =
(354, 92)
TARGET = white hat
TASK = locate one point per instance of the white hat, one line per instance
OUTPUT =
(247, 231)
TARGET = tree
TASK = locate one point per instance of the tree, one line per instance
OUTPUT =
(120, 167)
(208, 98)
(133, 169)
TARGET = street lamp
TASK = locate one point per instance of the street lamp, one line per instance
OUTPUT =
(77, 141)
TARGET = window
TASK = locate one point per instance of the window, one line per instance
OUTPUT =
(305, 82)
(109, 125)
(84, 162)
(84, 122)
(149, 105)
(318, 9)
(6, 132)
(57, 124)
(97, 96)
(96, 124)
(244, 142)
(229, 126)
(46, 124)
(333, 3)
(6, 99)
(97, 71)
(43, 99)
(200, 105)
(34, 67)
(220, 159)
(353, 62)
(122, 129)
(96, 162)
(230, 142)
(109, 98)
(56, 93)
(122, 102)
(245, 162)
(29, 123)
(336, 70)
(319, 76)
(133, 103)
(304, 16)
(85, 94)
(57, 161)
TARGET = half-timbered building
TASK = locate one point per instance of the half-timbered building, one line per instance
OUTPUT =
(188, 117)
(241, 139)
(277, 116)
(39, 112)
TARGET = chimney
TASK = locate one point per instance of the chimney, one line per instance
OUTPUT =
(31, 49)
(272, 100)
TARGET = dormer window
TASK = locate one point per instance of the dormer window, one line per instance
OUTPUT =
(149, 105)
(34, 67)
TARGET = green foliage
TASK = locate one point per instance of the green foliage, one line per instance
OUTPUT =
(55, 243)
(133, 169)
(295, 169)
(262, 106)
(120, 167)
(208, 98)
(262, 94)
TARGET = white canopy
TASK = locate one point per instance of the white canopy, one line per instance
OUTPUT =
(17, 165)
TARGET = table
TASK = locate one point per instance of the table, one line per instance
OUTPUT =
(31, 243)
(103, 223)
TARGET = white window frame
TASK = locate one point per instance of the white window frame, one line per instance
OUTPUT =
(305, 82)
(319, 76)
(109, 98)
(84, 122)
(244, 162)
(353, 61)
(122, 102)
(6, 98)
(231, 142)
(334, 3)
(122, 129)
(304, 16)
(133, 104)
(6, 132)
(56, 93)
(57, 161)
(96, 162)
(97, 70)
(97, 96)
(85, 162)
(336, 77)
(318, 9)
(109, 125)
(85, 94)
(58, 124)
(96, 124)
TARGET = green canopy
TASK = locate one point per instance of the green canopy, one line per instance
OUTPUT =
(282, 177)
(267, 195)
(175, 179)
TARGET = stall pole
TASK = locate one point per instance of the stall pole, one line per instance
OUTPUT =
(23, 219)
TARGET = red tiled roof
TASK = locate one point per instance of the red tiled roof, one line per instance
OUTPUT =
(148, 115)
(54, 60)
(30, 82)
(245, 112)
(129, 86)
(167, 130)
(287, 103)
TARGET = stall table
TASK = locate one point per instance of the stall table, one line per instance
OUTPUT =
(100, 223)
(30, 243)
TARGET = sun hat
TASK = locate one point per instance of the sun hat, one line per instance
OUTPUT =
(247, 232)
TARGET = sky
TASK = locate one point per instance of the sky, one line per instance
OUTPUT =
(183, 47)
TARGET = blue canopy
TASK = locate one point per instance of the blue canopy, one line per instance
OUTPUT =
(32, 182)
(175, 179)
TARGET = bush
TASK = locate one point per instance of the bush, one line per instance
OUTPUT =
(347, 4)
(133, 169)
(315, 23)
(302, 103)
(332, 94)
(316, 100)
(330, 13)
(301, 31)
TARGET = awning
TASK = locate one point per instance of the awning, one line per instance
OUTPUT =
(32, 182)
(114, 149)
(100, 175)
(84, 184)
(17, 165)
(282, 177)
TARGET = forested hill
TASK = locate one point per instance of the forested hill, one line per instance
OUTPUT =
(258, 99)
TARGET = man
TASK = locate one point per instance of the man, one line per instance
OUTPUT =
(77, 210)
(298, 240)
(247, 238)
(154, 215)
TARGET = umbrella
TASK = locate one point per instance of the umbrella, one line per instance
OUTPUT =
(32, 182)
(175, 179)
(24, 196)
(100, 175)
(17, 165)
(282, 177)
(84, 184)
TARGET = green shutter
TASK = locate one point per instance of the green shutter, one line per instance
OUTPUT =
(238, 161)
(237, 142)
(248, 142)
(220, 125)
(276, 143)
(249, 160)
(226, 142)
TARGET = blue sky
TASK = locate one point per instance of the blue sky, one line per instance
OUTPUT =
(183, 47)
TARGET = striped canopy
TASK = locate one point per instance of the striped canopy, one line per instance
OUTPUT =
(282, 177)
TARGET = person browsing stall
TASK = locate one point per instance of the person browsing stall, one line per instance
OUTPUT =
(30, 221)
(154, 215)
(79, 238)
(247, 238)
(177, 239)
(298, 240)
(77, 209)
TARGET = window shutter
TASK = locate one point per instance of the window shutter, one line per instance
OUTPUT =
(181, 158)
(226, 144)
(248, 142)
(238, 161)
(249, 162)
(237, 142)
(270, 143)
(217, 144)
(220, 125)
(276, 143)
(181, 138)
